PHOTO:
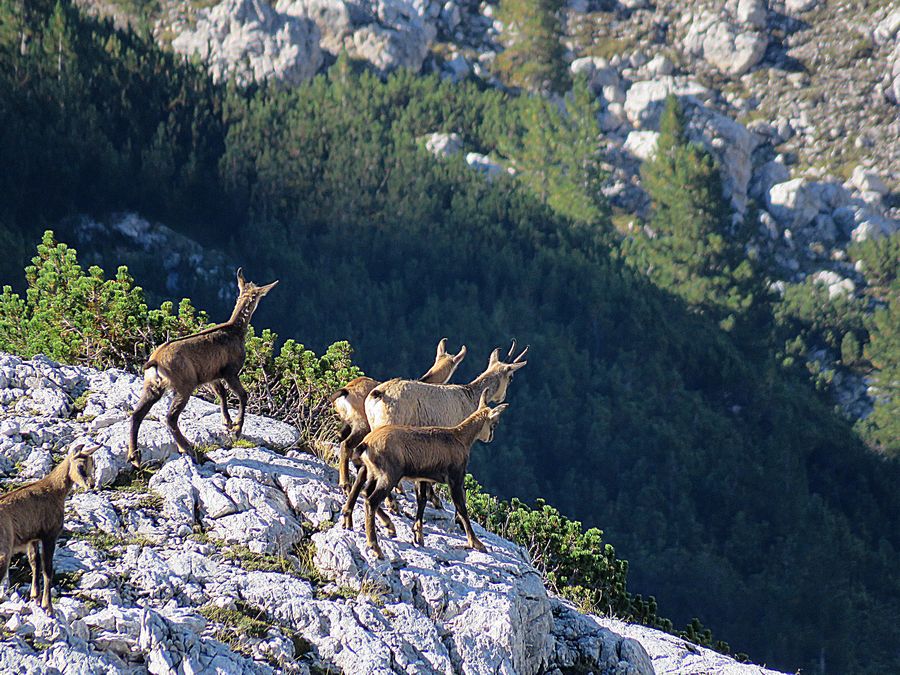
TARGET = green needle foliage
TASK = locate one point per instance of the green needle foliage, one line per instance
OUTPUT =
(82, 318)
(533, 58)
(689, 246)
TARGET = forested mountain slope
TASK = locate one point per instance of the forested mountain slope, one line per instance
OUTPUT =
(735, 491)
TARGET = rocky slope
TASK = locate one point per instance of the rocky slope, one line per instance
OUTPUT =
(234, 566)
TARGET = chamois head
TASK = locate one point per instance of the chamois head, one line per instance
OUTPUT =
(444, 364)
(491, 418)
(81, 464)
(503, 371)
(249, 295)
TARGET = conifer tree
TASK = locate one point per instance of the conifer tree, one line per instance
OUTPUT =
(689, 246)
(533, 58)
(882, 426)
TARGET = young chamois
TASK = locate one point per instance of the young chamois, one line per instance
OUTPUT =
(31, 517)
(423, 454)
(350, 404)
(214, 355)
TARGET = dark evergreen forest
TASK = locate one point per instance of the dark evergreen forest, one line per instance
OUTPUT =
(651, 408)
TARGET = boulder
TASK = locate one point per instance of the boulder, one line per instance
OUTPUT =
(248, 40)
(731, 49)
(641, 144)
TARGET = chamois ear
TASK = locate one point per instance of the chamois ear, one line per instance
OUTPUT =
(515, 366)
(441, 348)
(240, 279)
(460, 356)
(90, 450)
(268, 287)
(494, 358)
(496, 411)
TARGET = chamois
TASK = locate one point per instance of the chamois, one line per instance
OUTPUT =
(214, 355)
(31, 517)
(423, 454)
(419, 404)
(349, 403)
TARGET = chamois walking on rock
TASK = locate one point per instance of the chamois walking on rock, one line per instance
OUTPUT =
(31, 517)
(423, 454)
(350, 404)
(214, 355)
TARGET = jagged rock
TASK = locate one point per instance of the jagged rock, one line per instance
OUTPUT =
(641, 144)
(443, 145)
(249, 40)
(799, 6)
(792, 203)
(836, 284)
(887, 29)
(643, 102)
(435, 608)
(729, 48)
(866, 180)
(752, 12)
(484, 164)
(389, 35)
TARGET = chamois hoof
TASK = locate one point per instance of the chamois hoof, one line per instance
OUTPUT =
(391, 531)
(346, 487)
(348, 521)
(418, 538)
(375, 550)
(477, 546)
(135, 461)
(393, 506)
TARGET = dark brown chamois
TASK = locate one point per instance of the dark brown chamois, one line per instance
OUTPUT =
(425, 455)
(31, 517)
(214, 355)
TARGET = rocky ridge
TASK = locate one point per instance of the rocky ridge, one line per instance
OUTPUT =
(233, 566)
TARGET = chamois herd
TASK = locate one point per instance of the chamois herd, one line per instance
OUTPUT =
(417, 430)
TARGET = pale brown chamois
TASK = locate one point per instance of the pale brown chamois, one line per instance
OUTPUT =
(31, 517)
(350, 404)
(418, 404)
(423, 454)
(214, 355)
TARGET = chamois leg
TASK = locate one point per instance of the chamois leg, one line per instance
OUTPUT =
(48, 545)
(421, 498)
(34, 559)
(179, 402)
(373, 501)
(4, 573)
(459, 501)
(234, 382)
(352, 497)
(219, 387)
(348, 443)
(434, 497)
(150, 394)
(347, 511)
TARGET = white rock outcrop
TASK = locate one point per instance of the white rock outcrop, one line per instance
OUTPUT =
(159, 574)
(249, 40)
(729, 47)
(389, 34)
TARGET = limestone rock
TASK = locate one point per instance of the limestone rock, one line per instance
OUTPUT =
(249, 40)
(731, 49)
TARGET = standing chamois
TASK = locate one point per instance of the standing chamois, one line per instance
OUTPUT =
(350, 404)
(423, 454)
(214, 355)
(31, 517)
(419, 404)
